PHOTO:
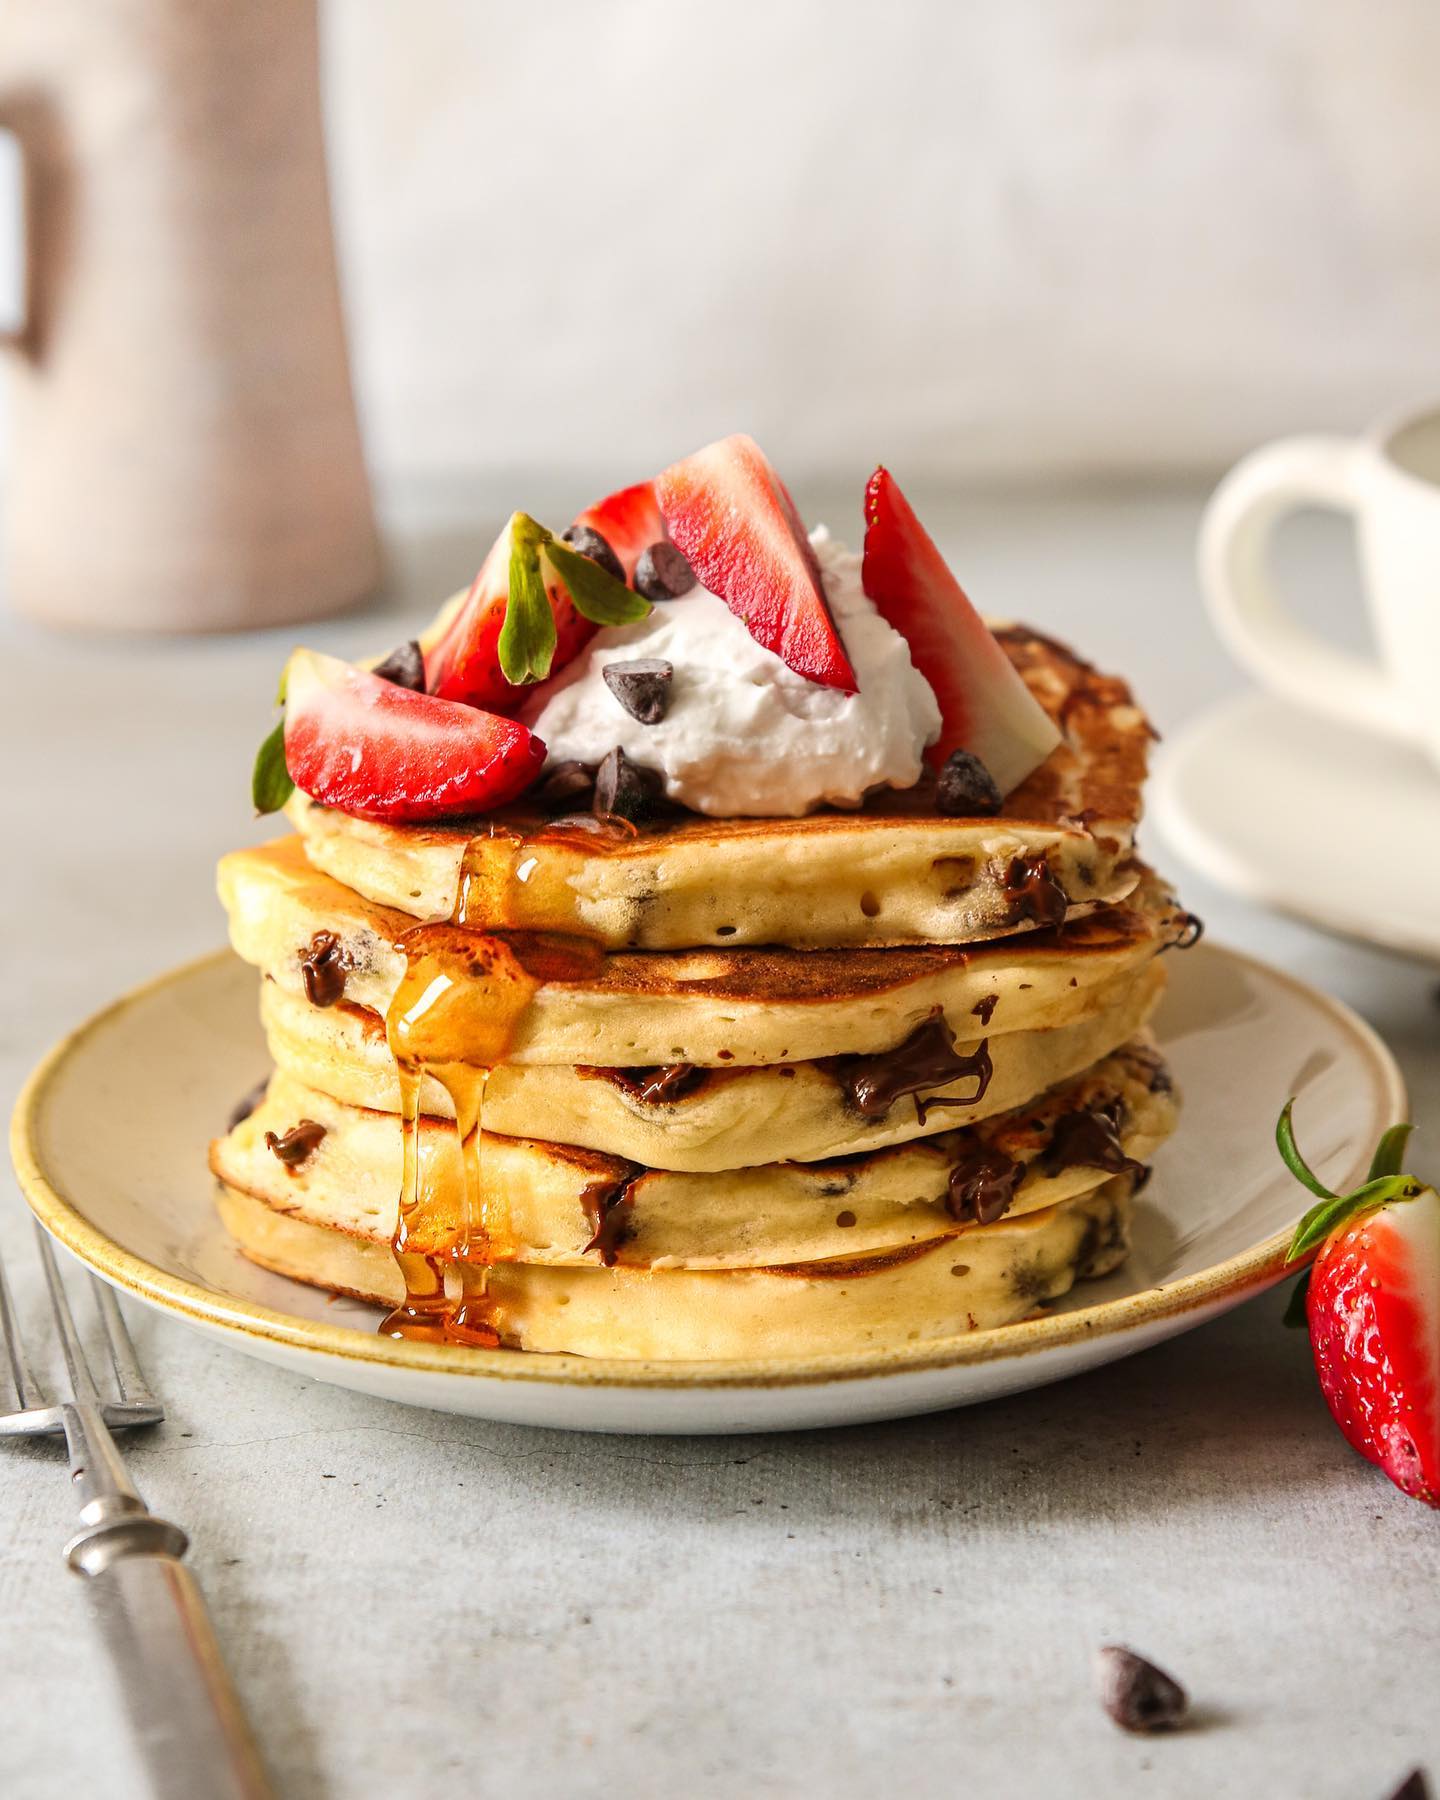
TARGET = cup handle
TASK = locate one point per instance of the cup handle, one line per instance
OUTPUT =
(1257, 628)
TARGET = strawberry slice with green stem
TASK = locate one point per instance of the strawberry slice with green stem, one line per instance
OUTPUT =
(368, 747)
(467, 648)
(985, 706)
(1371, 1300)
(732, 517)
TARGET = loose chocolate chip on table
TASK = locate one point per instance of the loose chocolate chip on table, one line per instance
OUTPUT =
(642, 687)
(1137, 1695)
(590, 543)
(967, 788)
(662, 573)
(623, 790)
(563, 784)
(1415, 1786)
(405, 666)
(299, 1142)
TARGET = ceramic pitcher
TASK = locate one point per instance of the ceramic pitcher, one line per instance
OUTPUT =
(184, 448)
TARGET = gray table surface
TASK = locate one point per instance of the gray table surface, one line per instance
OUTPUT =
(412, 1600)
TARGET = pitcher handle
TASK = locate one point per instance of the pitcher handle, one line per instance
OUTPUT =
(29, 117)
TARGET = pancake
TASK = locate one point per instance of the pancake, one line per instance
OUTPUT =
(708, 1007)
(696, 1119)
(895, 872)
(554, 1205)
(989, 1276)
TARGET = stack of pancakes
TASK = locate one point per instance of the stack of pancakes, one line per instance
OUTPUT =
(754, 1086)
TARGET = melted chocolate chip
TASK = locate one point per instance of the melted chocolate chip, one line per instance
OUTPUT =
(655, 1086)
(405, 666)
(590, 543)
(927, 1059)
(323, 969)
(966, 788)
(298, 1144)
(1034, 893)
(607, 1206)
(623, 790)
(563, 784)
(983, 1184)
(984, 1010)
(662, 572)
(1191, 932)
(242, 1109)
(1090, 1140)
(642, 687)
(845, 1219)
(1137, 1695)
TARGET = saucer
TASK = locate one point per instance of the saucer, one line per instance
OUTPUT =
(110, 1135)
(1316, 819)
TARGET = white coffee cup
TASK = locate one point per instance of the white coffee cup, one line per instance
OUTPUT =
(1389, 479)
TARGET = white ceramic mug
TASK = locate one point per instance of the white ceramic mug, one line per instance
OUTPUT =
(1389, 480)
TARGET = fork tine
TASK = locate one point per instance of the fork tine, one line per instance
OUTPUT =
(20, 1381)
(82, 1382)
(129, 1376)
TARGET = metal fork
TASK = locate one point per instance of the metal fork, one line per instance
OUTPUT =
(190, 1729)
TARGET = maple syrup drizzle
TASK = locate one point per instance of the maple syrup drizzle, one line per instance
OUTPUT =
(469, 983)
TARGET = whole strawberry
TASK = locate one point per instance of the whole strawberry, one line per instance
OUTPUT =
(1372, 1302)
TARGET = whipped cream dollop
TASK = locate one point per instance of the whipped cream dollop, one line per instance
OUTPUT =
(744, 735)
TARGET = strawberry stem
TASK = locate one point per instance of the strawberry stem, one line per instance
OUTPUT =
(1389, 1152)
(1321, 1220)
(1293, 1160)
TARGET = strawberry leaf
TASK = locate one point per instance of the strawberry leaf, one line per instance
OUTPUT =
(527, 638)
(595, 593)
(1389, 1152)
(1296, 1317)
(270, 783)
(1293, 1160)
(1333, 1212)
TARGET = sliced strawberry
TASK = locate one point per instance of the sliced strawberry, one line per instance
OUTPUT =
(1374, 1312)
(628, 520)
(985, 707)
(730, 513)
(1372, 1302)
(361, 744)
(462, 660)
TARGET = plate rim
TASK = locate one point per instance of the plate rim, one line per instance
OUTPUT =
(1218, 862)
(1232, 1279)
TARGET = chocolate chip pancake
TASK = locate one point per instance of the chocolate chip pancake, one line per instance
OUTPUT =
(313, 1157)
(708, 1007)
(898, 871)
(680, 1116)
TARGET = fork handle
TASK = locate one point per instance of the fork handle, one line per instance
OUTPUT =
(189, 1726)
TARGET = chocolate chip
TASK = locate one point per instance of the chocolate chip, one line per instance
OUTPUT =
(563, 784)
(590, 543)
(323, 969)
(967, 788)
(982, 1185)
(243, 1108)
(405, 666)
(623, 790)
(642, 687)
(298, 1144)
(845, 1219)
(662, 573)
(1137, 1695)
(1415, 1786)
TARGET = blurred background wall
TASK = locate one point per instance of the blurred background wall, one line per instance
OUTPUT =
(1044, 239)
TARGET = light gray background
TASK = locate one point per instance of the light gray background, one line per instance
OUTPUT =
(417, 1604)
(963, 235)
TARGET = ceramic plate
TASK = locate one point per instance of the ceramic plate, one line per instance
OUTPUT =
(109, 1141)
(1258, 796)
